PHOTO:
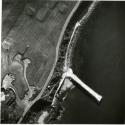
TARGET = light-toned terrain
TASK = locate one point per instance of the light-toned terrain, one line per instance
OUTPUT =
(37, 25)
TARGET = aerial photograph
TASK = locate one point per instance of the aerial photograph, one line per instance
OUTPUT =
(62, 62)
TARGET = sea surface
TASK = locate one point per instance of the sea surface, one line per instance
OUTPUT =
(99, 61)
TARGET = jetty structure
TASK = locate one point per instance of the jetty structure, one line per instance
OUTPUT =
(62, 69)
(68, 72)
(52, 83)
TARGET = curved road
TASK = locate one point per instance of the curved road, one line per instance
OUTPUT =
(51, 73)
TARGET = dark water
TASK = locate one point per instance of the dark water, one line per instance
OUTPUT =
(99, 60)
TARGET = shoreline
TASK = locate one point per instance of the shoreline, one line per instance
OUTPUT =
(52, 71)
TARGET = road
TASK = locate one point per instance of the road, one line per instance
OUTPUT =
(51, 73)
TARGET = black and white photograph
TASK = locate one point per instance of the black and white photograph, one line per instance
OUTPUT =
(62, 62)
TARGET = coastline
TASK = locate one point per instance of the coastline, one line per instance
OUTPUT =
(51, 73)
